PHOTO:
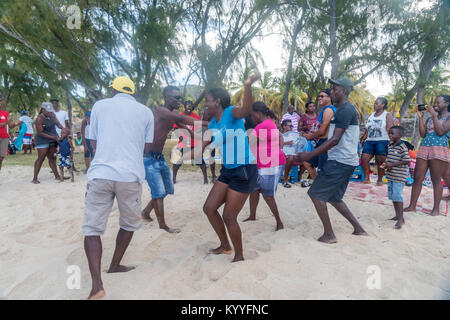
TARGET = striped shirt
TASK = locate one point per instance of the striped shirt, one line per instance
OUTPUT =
(396, 153)
(294, 117)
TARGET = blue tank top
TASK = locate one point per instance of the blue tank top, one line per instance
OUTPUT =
(323, 110)
(230, 138)
(64, 148)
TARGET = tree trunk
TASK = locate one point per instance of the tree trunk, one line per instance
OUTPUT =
(69, 108)
(297, 29)
(416, 135)
(333, 40)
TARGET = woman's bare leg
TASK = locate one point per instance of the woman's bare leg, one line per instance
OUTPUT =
(380, 172)
(365, 162)
(419, 174)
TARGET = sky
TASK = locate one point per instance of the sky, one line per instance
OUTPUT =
(275, 58)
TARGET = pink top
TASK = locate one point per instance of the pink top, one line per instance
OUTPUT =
(307, 121)
(268, 152)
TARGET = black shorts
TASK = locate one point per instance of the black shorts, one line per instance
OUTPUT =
(241, 179)
(331, 182)
(89, 153)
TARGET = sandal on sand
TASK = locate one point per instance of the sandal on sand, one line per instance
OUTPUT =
(286, 185)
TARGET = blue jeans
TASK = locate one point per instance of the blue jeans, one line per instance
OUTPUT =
(158, 176)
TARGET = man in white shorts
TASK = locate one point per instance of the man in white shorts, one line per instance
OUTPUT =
(120, 128)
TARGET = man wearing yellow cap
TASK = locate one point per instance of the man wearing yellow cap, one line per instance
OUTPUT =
(120, 128)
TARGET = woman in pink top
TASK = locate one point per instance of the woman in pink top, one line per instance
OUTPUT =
(270, 159)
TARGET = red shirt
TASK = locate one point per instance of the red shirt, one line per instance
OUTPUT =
(3, 117)
(183, 144)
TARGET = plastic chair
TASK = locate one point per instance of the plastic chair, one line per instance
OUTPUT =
(358, 174)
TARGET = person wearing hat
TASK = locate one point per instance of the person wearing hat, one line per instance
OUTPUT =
(120, 128)
(28, 137)
(342, 147)
(5, 120)
(88, 151)
(46, 140)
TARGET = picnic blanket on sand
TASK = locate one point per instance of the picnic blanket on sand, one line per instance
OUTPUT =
(378, 194)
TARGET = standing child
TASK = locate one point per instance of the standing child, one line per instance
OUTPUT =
(396, 165)
(65, 154)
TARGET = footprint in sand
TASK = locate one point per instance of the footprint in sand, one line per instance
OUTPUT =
(262, 246)
(75, 257)
(219, 272)
(251, 255)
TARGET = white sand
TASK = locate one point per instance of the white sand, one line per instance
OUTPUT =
(40, 228)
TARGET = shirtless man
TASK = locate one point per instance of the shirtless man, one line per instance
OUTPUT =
(157, 173)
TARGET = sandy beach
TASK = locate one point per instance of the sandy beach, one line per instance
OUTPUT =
(40, 228)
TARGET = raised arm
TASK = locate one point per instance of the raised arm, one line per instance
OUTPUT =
(422, 129)
(440, 128)
(246, 109)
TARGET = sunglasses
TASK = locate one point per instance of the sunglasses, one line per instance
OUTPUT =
(180, 98)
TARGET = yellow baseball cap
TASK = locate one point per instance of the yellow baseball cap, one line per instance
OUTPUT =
(123, 84)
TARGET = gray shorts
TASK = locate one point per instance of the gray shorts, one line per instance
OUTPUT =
(4, 143)
(99, 200)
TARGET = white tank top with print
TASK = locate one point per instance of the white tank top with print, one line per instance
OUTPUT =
(376, 127)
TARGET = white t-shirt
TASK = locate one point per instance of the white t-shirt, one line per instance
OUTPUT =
(28, 122)
(121, 126)
(86, 131)
(62, 116)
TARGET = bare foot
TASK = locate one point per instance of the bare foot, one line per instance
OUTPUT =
(170, 230)
(205, 181)
(213, 180)
(146, 216)
(409, 209)
(174, 181)
(279, 226)
(399, 224)
(327, 238)
(120, 268)
(435, 213)
(36, 181)
(366, 181)
(97, 295)
(394, 218)
(221, 250)
(379, 183)
(237, 259)
(249, 219)
(359, 232)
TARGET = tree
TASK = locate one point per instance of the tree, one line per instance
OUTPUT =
(232, 24)
(121, 37)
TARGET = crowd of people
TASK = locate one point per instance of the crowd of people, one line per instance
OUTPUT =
(123, 144)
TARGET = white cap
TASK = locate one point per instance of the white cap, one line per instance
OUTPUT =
(47, 106)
